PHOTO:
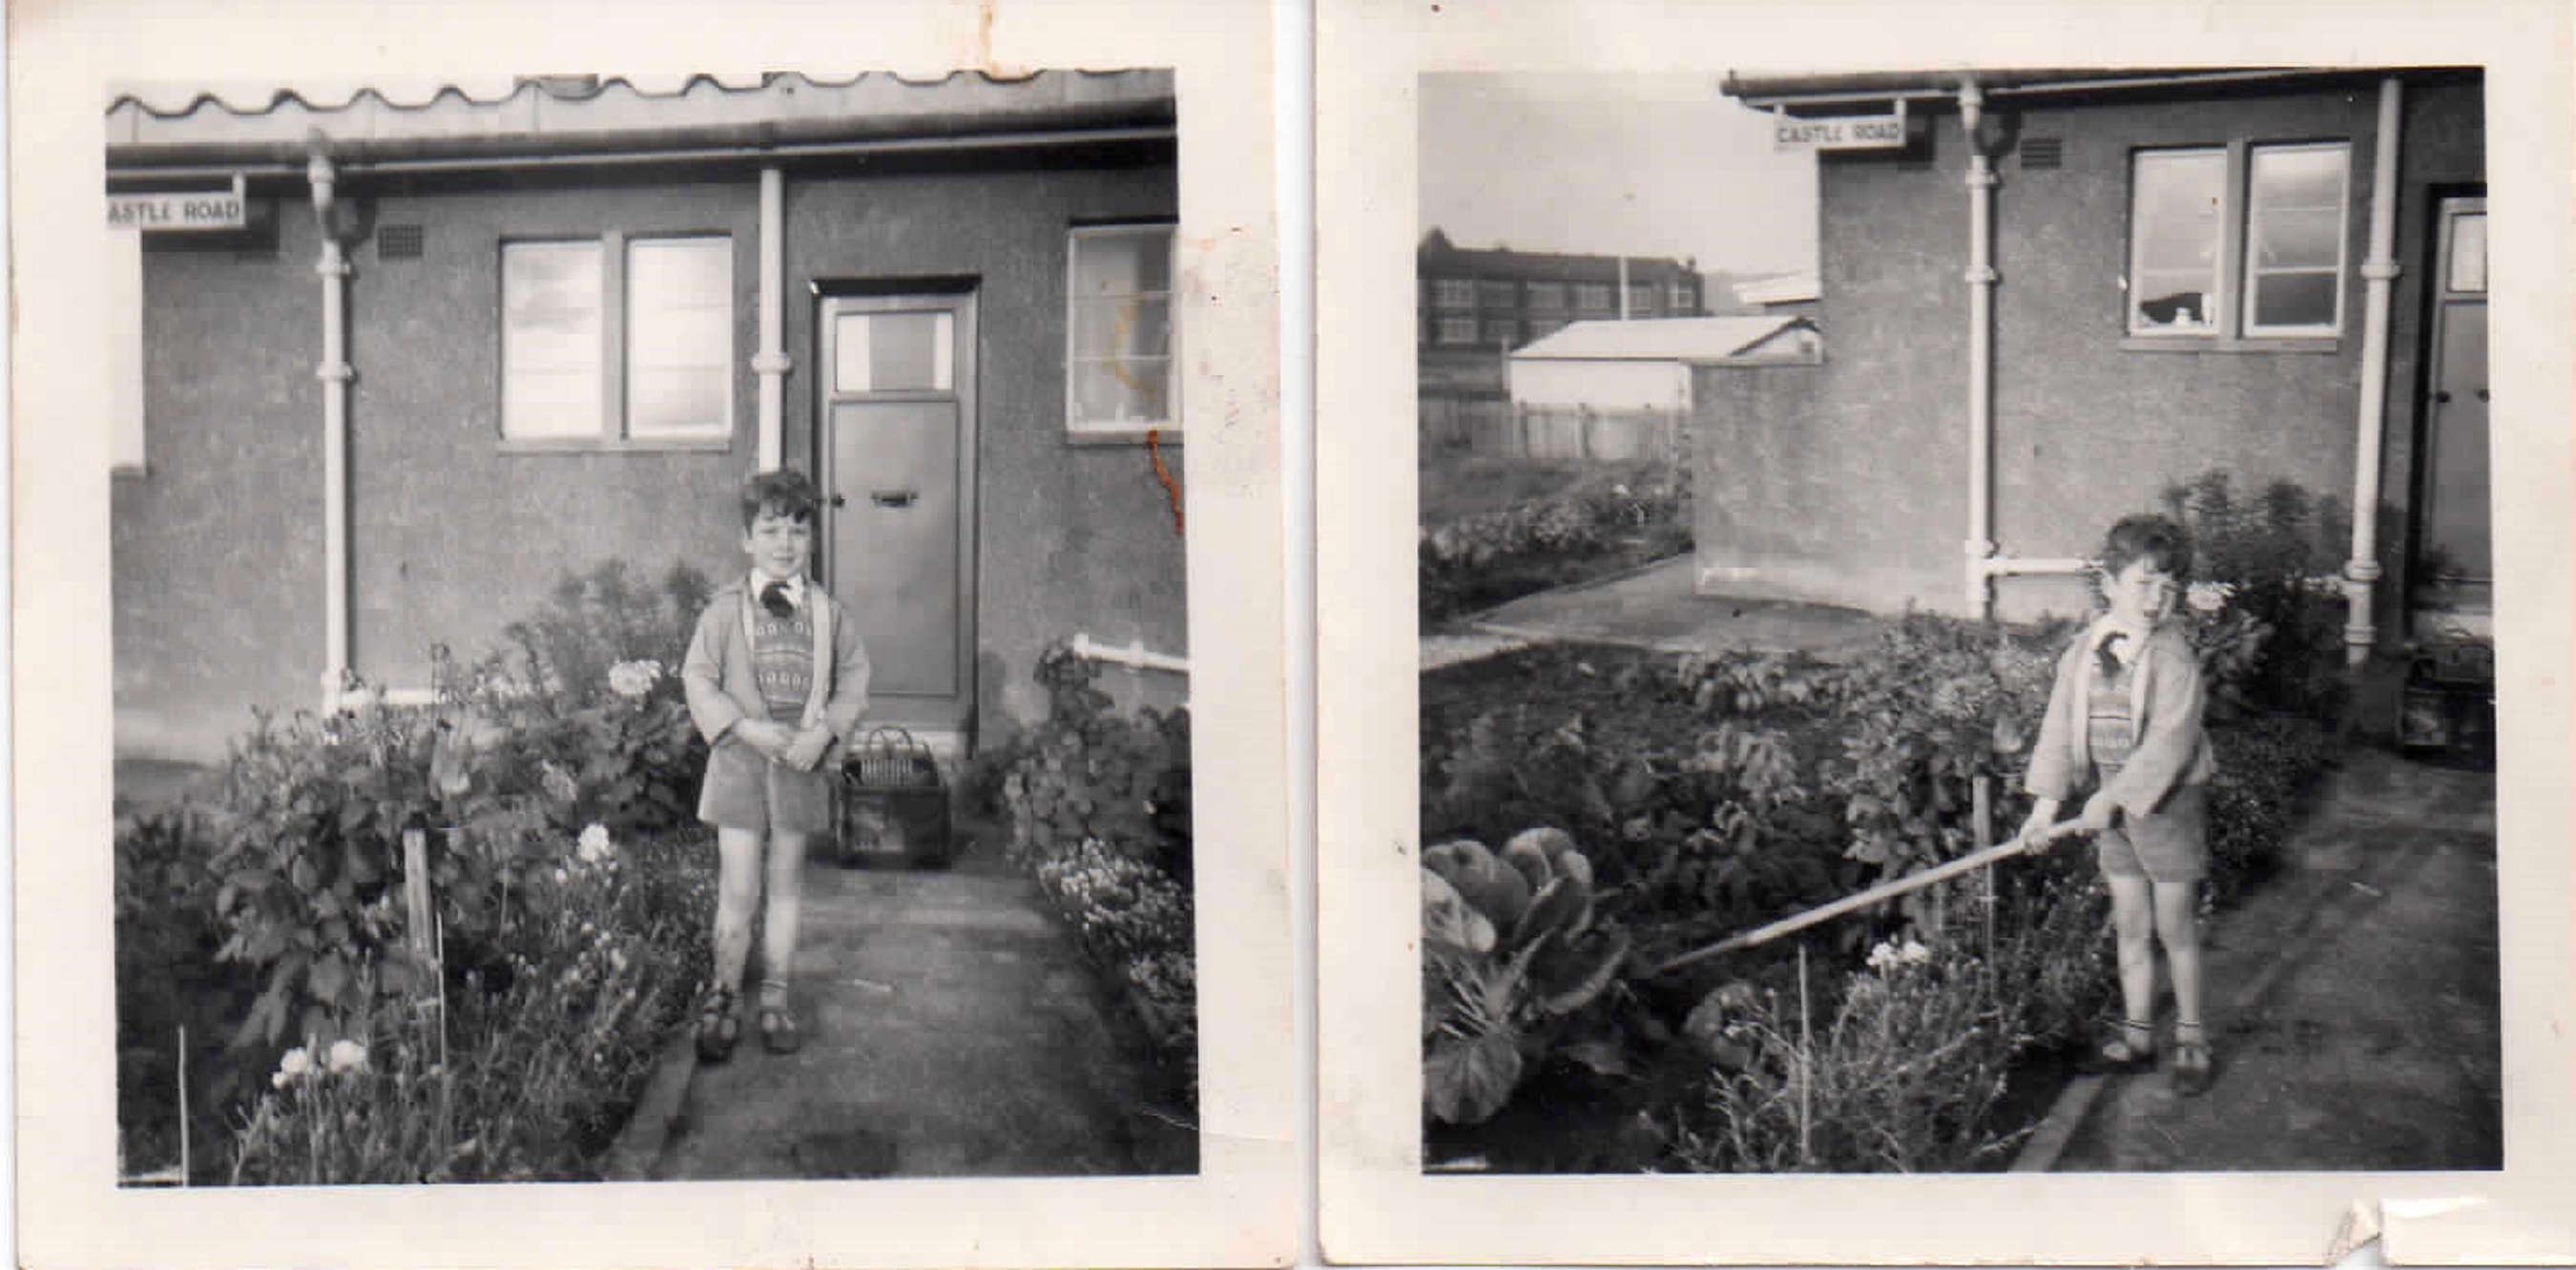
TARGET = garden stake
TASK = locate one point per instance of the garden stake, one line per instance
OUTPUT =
(1806, 1068)
(183, 1105)
(1884, 891)
(1984, 813)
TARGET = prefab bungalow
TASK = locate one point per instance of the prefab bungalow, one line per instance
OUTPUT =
(2052, 293)
(405, 362)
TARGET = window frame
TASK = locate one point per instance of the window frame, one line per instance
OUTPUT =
(1547, 297)
(1596, 297)
(2234, 330)
(1453, 293)
(1454, 330)
(614, 429)
(1124, 431)
(1497, 293)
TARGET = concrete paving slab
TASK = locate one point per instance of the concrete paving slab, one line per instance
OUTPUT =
(950, 1029)
(2354, 1001)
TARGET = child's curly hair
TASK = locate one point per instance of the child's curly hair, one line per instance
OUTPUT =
(2150, 537)
(782, 492)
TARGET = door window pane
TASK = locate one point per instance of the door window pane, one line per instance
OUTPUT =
(551, 352)
(2468, 253)
(679, 331)
(894, 352)
(2174, 243)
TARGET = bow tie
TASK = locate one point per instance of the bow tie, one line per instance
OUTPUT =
(2108, 660)
(778, 600)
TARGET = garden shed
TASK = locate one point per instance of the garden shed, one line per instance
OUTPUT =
(2055, 293)
(1614, 389)
(403, 361)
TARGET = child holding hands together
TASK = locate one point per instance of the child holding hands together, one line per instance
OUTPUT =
(776, 678)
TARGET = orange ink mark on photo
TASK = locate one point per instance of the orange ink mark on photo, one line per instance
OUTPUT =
(1172, 488)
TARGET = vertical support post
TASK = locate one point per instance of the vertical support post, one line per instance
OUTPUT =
(335, 373)
(2379, 274)
(1806, 1069)
(1984, 817)
(416, 909)
(1980, 542)
(771, 363)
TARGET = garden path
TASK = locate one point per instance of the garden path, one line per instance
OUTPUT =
(2354, 997)
(951, 1029)
(1660, 607)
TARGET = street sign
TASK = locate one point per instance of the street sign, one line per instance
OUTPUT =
(1840, 132)
(180, 210)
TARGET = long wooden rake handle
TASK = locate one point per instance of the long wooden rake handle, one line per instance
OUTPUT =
(1883, 891)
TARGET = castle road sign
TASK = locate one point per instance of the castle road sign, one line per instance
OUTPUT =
(1840, 132)
(184, 210)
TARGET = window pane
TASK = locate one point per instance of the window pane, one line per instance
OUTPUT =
(1114, 262)
(2302, 239)
(1497, 295)
(550, 339)
(665, 402)
(894, 352)
(1122, 328)
(1133, 392)
(2174, 227)
(1547, 295)
(2298, 176)
(679, 335)
(2295, 299)
(1458, 330)
(2468, 252)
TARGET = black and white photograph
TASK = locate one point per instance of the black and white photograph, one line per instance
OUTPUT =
(510, 813)
(1975, 682)
(1757, 773)
(653, 635)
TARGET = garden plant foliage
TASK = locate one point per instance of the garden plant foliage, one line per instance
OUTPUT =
(553, 966)
(1715, 793)
(1487, 557)
(1099, 810)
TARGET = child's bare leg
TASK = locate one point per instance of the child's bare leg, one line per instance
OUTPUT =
(2133, 919)
(2178, 925)
(737, 894)
(786, 899)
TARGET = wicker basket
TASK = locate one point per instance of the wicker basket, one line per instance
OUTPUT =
(894, 804)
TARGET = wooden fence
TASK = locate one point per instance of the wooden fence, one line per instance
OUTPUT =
(1499, 428)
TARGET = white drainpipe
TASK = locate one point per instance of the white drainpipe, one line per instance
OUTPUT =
(2379, 273)
(1134, 656)
(771, 363)
(1980, 542)
(335, 374)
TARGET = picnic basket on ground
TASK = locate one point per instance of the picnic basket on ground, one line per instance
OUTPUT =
(893, 803)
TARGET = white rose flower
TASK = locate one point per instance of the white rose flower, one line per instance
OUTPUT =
(595, 845)
(297, 1065)
(2207, 597)
(347, 1056)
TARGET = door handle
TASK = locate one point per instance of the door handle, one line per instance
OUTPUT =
(2482, 394)
(2442, 398)
(894, 498)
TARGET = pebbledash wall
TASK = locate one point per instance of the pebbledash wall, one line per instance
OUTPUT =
(219, 541)
(1847, 481)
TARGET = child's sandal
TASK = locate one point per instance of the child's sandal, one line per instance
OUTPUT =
(2127, 1054)
(719, 1025)
(2195, 1067)
(778, 1029)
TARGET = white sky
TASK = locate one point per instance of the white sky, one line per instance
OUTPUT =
(1646, 165)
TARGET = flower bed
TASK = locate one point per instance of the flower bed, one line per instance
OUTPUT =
(1099, 812)
(1488, 557)
(1710, 795)
(569, 894)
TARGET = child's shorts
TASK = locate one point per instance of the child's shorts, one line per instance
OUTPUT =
(2169, 844)
(744, 790)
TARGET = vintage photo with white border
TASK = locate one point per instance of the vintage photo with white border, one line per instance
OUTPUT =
(1705, 881)
(433, 352)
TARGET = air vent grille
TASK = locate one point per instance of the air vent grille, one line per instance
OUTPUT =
(398, 242)
(2039, 154)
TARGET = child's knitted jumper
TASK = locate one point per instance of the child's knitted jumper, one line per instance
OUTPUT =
(782, 660)
(2111, 727)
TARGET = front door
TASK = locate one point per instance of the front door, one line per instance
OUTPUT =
(896, 436)
(2455, 561)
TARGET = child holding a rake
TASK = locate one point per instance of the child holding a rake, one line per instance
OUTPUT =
(2124, 721)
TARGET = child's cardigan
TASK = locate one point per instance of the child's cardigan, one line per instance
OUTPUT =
(722, 689)
(2167, 693)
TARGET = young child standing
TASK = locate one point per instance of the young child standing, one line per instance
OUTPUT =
(776, 679)
(2124, 721)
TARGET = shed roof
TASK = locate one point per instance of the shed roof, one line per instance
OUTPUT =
(559, 115)
(1693, 339)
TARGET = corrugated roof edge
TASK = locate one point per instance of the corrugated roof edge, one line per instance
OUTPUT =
(591, 86)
